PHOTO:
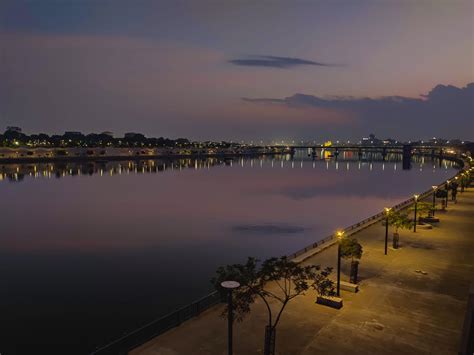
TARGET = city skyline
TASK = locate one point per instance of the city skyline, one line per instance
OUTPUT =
(239, 70)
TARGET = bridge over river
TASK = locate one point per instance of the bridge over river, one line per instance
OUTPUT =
(406, 149)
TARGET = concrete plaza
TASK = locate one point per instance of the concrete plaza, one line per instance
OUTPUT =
(412, 301)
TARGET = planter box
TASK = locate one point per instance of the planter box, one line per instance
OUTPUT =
(333, 302)
(424, 226)
(348, 286)
(429, 219)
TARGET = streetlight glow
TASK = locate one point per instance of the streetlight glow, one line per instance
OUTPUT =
(387, 211)
(435, 188)
(416, 208)
(339, 235)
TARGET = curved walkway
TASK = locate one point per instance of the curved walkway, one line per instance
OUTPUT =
(411, 301)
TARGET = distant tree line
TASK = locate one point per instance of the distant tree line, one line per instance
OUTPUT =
(13, 137)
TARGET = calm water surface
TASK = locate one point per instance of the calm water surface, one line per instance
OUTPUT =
(92, 250)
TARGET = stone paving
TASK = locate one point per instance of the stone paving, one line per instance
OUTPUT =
(411, 301)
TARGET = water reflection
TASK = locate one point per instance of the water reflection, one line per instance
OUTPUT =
(18, 172)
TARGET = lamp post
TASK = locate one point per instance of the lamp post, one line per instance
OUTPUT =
(416, 207)
(339, 235)
(387, 211)
(230, 286)
(434, 198)
(446, 186)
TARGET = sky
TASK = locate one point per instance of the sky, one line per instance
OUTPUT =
(239, 70)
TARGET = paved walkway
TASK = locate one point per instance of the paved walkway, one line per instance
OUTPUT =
(397, 311)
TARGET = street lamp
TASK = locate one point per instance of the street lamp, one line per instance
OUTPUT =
(339, 235)
(416, 207)
(387, 211)
(434, 198)
(230, 286)
(446, 186)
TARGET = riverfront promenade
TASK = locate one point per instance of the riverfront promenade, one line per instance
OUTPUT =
(412, 301)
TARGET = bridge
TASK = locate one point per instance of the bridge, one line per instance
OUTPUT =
(406, 149)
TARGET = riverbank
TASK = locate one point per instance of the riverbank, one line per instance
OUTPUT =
(411, 301)
(41, 155)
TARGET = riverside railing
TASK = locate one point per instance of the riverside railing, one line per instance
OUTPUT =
(129, 341)
(357, 227)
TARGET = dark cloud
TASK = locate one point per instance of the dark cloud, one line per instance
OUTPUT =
(271, 61)
(445, 109)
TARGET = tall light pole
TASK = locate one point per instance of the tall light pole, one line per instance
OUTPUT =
(230, 286)
(339, 235)
(416, 208)
(446, 186)
(387, 211)
(434, 199)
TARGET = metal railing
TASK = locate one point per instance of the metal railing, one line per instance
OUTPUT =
(129, 341)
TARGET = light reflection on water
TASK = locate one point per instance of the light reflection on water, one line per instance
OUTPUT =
(18, 172)
(90, 250)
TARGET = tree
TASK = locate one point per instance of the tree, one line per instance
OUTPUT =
(399, 220)
(424, 209)
(350, 248)
(323, 285)
(289, 280)
(251, 285)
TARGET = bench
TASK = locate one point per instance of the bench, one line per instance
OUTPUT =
(429, 219)
(348, 286)
(424, 226)
(330, 301)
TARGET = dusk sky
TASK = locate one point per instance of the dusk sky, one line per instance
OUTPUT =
(238, 70)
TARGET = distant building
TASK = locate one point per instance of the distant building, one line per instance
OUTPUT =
(107, 133)
(437, 141)
(371, 140)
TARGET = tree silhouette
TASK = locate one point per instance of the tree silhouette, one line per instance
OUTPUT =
(274, 281)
